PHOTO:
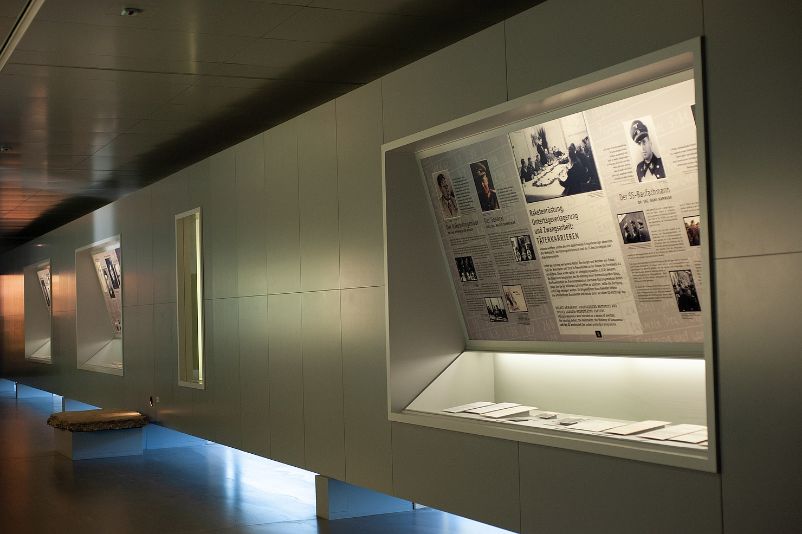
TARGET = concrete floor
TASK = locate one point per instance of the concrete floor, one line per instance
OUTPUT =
(207, 488)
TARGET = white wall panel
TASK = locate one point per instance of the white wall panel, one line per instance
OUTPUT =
(169, 198)
(254, 379)
(317, 185)
(368, 454)
(134, 213)
(557, 41)
(753, 117)
(574, 493)
(321, 342)
(251, 217)
(286, 379)
(359, 139)
(759, 369)
(138, 347)
(174, 408)
(281, 205)
(200, 195)
(461, 79)
(216, 407)
(221, 225)
(473, 476)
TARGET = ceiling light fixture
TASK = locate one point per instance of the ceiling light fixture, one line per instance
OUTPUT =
(130, 11)
(23, 21)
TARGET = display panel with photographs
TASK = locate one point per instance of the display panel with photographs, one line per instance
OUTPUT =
(44, 282)
(109, 274)
(578, 228)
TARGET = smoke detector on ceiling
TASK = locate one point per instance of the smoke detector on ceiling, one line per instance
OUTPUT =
(130, 11)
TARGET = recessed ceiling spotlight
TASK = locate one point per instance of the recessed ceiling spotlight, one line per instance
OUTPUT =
(130, 11)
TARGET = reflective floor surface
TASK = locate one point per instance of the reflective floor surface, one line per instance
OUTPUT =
(208, 488)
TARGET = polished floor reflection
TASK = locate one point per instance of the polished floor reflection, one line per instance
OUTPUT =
(207, 488)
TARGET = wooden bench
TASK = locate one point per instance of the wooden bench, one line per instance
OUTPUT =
(98, 433)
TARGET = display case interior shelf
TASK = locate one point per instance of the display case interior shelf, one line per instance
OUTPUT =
(565, 282)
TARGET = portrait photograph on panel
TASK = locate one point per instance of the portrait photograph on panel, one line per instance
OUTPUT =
(465, 268)
(633, 227)
(496, 310)
(644, 149)
(692, 230)
(483, 180)
(445, 191)
(685, 291)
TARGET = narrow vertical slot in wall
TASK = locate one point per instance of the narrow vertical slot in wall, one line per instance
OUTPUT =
(189, 298)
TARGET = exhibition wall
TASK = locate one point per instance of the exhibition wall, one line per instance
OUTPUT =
(294, 292)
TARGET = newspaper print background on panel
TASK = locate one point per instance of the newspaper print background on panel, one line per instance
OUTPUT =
(577, 229)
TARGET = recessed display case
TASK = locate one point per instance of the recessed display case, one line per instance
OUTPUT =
(189, 296)
(99, 306)
(38, 312)
(548, 278)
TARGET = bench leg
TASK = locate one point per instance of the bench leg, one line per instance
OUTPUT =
(99, 444)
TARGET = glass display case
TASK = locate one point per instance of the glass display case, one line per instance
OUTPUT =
(99, 307)
(38, 312)
(548, 274)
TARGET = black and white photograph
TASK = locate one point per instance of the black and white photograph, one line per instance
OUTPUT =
(514, 298)
(685, 291)
(496, 310)
(113, 275)
(466, 270)
(555, 159)
(45, 292)
(445, 192)
(485, 190)
(522, 248)
(633, 227)
(692, 230)
(109, 283)
(644, 149)
(44, 282)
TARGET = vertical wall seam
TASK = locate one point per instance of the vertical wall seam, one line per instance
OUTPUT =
(296, 135)
(339, 283)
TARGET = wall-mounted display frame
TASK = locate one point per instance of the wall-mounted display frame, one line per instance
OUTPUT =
(99, 306)
(189, 299)
(523, 271)
(38, 301)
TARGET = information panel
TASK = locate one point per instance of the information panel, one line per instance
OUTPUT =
(581, 228)
(107, 265)
(44, 282)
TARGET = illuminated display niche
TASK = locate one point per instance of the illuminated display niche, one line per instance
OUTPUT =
(559, 290)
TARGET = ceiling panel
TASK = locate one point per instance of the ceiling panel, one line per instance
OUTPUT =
(249, 18)
(94, 105)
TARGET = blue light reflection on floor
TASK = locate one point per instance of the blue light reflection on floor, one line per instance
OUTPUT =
(238, 491)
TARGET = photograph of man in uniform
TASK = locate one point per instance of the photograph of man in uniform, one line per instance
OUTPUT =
(651, 166)
(692, 229)
(633, 227)
(522, 248)
(685, 291)
(514, 297)
(484, 186)
(495, 309)
(448, 200)
(465, 269)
